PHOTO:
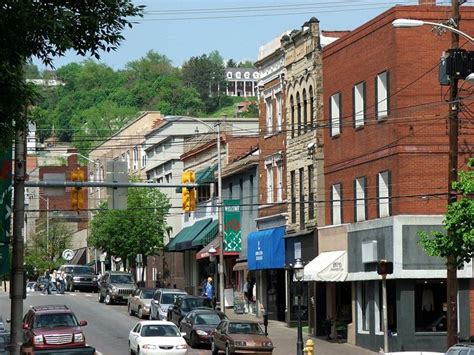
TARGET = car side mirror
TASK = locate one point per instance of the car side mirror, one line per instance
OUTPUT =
(83, 323)
(25, 326)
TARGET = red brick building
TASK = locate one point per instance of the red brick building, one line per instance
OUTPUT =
(386, 179)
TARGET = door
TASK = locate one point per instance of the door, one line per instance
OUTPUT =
(186, 326)
(220, 335)
(134, 301)
(134, 337)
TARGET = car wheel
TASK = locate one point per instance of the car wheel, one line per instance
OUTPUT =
(130, 310)
(214, 349)
(101, 298)
(227, 349)
(108, 300)
(138, 351)
(140, 312)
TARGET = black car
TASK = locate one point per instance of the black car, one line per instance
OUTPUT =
(183, 305)
(79, 277)
(199, 324)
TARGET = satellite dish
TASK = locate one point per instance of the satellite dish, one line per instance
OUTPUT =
(68, 254)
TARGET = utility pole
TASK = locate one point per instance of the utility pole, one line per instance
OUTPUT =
(220, 218)
(451, 282)
(47, 226)
(17, 281)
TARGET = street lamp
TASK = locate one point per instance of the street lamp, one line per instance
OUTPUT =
(298, 269)
(407, 23)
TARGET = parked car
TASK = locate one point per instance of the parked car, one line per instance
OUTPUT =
(199, 324)
(162, 300)
(234, 336)
(4, 336)
(185, 304)
(139, 302)
(116, 286)
(31, 286)
(79, 277)
(149, 337)
(52, 327)
(462, 348)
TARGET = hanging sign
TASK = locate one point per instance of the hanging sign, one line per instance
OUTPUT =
(232, 232)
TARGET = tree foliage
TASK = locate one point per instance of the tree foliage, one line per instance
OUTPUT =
(459, 221)
(137, 230)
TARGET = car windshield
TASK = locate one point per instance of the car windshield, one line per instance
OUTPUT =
(169, 298)
(147, 294)
(121, 279)
(245, 328)
(82, 270)
(207, 318)
(160, 330)
(54, 320)
(191, 303)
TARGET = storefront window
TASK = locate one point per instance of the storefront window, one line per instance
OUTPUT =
(363, 306)
(430, 306)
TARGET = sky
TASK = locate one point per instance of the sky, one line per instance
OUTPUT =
(181, 29)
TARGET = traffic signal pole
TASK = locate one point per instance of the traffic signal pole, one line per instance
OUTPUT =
(384, 313)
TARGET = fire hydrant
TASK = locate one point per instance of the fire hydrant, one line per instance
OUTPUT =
(309, 347)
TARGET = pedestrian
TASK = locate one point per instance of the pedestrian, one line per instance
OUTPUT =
(61, 282)
(248, 292)
(47, 277)
(209, 289)
(53, 280)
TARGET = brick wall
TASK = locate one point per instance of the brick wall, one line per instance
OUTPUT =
(412, 142)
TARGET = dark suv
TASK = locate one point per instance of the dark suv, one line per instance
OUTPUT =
(52, 327)
(185, 304)
(79, 277)
(116, 286)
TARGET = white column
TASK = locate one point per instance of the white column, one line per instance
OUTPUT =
(245, 88)
(253, 88)
(227, 89)
(235, 88)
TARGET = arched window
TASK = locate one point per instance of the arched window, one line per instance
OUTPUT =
(229, 75)
(305, 112)
(298, 108)
(247, 75)
(292, 114)
(312, 119)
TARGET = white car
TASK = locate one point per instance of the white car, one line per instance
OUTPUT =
(157, 337)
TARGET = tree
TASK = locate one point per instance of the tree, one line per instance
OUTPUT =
(246, 64)
(459, 220)
(46, 29)
(138, 230)
(231, 63)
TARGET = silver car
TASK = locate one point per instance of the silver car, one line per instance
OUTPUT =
(139, 302)
(162, 300)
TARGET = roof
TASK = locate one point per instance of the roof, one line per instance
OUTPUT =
(155, 322)
(51, 307)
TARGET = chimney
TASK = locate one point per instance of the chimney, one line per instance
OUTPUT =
(427, 2)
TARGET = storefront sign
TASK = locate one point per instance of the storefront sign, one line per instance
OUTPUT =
(232, 232)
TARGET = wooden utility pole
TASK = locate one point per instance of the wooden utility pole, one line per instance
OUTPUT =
(452, 281)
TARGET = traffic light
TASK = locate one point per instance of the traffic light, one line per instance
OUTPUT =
(188, 195)
(77, 193)
(384, 267)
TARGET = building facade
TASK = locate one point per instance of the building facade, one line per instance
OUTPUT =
(386, 161)
(241, 81)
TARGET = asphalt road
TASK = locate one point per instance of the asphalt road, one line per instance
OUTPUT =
(108, 326)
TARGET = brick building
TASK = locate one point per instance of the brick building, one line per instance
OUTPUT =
(385, 171)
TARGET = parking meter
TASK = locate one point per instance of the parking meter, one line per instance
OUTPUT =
(265, 322)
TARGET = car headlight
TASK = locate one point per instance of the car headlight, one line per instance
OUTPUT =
(240, 343)
(149, 346)
(38, 339)
(78, 337)
(114, 289)
(94, 279)
(267, 344)
(181, 346)
(201, 332)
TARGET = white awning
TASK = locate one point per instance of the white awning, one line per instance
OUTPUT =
(329, 266)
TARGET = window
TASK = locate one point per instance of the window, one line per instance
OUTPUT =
(251, 192)
(231, 186)
(268, 105)
(128, 160)
(302, 199)
(293, 196)
(278, 112)
(241, 190)
(335, 114)
(279, 181)
(269, 169)
(430, 306)
(383, 194)
(246, 75)
(310, 192)
(358, 102)
(167, 144)
(298, 113)
(336, 204)
(305, 112)
(363, 306)
(135, 158)
(311, 108)
(382, 95)
(360, 199)
(144, 156)
(168, 178)
(292, 114)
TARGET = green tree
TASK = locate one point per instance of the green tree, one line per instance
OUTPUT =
(137, 230)
(459, 221)
(32, 72)
(231, 63)
(246, 64)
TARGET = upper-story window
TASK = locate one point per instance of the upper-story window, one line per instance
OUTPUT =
(279, 181)
(278, 112)
(269, 168)
(305, 112)
(128, 159)
(269, 113)
(335, 114)
(144, 156)
(247, 75)
(383, 194)
(360, 198)
(311, 108)
(358, 99)
(298, 112)
(135, 158)
(382, 95)
(229, 75)
(167, 144)
(336, 204)
(238, 75)
(292, 116)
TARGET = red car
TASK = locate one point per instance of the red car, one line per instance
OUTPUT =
(52, 327)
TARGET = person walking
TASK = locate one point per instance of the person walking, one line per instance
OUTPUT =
(47, 278)
(209, 291)
(54, 278)
(61, 282)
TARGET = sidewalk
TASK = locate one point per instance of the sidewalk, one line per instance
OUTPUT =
(284, 339)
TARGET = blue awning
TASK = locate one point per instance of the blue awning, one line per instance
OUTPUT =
(266, 249)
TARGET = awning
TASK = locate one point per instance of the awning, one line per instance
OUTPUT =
(203, 176)
(79, 257)
(204, 252)
(185, 242)
(329, 266)
(240, 265)
(184, 234)
(207, 234)
(266, 249)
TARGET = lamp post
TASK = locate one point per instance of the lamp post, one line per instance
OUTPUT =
(212, 259)
(453, 131)
(298, 269)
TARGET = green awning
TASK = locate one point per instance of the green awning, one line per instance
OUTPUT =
(186, 239)
(206, 235)
(182, 235)
(203, 176)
